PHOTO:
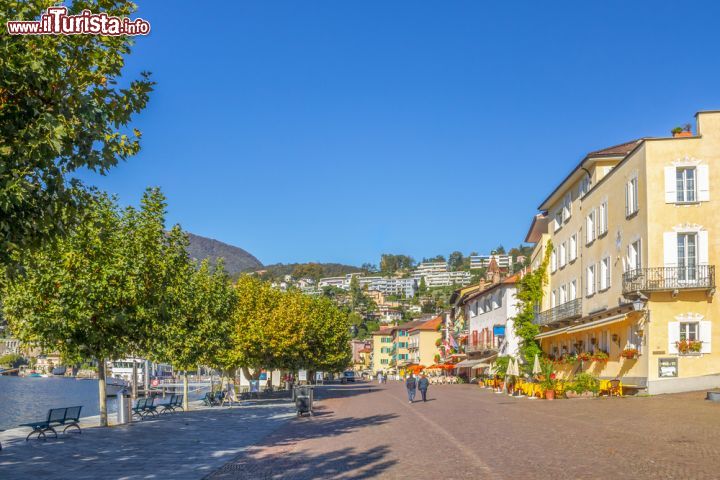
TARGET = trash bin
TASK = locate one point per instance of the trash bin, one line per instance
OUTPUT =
(303, 399)
(123, 407)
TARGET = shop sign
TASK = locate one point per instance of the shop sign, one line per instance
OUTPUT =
(667, 367)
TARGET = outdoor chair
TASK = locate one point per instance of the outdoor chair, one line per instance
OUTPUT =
(614, 388)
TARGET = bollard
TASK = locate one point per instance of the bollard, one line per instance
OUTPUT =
(124, 407)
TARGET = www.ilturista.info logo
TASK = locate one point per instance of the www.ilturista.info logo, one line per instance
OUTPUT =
(56, 21)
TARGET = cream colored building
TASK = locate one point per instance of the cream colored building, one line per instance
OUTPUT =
(382, 342)
(635, 230)
(423, 342)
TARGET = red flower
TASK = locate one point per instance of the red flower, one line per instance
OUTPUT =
(552, 376)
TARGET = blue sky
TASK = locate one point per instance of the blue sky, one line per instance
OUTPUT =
(335, 131)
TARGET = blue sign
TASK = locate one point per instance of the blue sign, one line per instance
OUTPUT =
(499, 330)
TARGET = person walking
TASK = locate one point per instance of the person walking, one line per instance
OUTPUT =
(380, 377)
(411, 385)
(423, 385)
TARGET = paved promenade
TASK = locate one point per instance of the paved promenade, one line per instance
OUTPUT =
(367, 431)
(174, 446)
(468, 432)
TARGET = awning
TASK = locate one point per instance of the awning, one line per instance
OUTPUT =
(551, 333)
(597, 323)
(480, 365)
(467, 363)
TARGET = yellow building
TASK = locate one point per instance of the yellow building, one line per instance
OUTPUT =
(423, 342)
(382, 342)
(632, 271)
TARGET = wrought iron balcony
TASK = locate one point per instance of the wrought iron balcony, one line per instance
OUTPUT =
(698, 277)
(567, 311)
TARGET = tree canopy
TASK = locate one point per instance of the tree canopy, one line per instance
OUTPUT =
(62, 108)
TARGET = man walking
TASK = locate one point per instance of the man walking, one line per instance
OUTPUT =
(411, 385)
(423, 385)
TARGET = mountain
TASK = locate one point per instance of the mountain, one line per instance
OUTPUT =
(236, 259)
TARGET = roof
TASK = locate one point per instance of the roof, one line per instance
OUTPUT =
(537, 228)
(511, 280)
(383, 331)
(620, 150)
(430, 325)
(458, 294)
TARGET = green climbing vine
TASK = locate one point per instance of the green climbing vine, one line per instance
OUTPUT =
(530, 294)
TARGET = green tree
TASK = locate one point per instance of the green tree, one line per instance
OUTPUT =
(390, 264)
(61, 109)
(456, 260)
(87, 295)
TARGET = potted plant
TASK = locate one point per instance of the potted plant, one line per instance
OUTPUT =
(600, 356)
(584, 356)
(684, 131)
(549, 381)
(629, 353)
(584, 385)
(689, 346)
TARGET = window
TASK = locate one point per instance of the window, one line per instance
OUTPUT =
(584, 187)
(604, 342)
(558, 220)
(383, 361)
(605, 273)
(590, 280)
(689, 331)
(553, 261)
(631, 197)
(563, 254)
(563, 294)
(687, 256)
(567, 207)
(685, 184)
(573, 248)
(573, 290)
(602, 219)
(633, 258)
(590, 228)
(553, 299)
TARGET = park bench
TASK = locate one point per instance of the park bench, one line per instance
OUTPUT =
(57, 417)
(178, 403)
(169, 406)
(214, 399)
(144, 407)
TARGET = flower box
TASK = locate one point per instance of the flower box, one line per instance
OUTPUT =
(629, 353)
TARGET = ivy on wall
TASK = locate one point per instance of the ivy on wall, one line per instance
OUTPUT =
(530, 294)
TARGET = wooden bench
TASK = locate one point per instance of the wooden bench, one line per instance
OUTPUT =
(57, 417)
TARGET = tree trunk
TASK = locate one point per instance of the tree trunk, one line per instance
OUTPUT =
(134, 380)
(185, 390)
(102, 392)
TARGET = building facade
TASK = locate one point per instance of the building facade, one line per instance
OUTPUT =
(424, 342)
(631, 276)
(382, 345)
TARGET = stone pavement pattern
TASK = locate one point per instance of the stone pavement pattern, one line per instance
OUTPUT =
(370, 431)
(174, 446)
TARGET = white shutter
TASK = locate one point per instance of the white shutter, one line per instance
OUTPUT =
(703, 247)
(703, 183)
(706, 336)
(670, 185)
(673, 336)
(670, 249)
(627, 199)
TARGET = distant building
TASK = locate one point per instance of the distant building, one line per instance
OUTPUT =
(483, 261)
(423, 344)
(436, 274)
(382, 347)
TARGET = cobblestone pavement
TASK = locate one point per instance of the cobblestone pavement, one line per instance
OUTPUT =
(463, 431)
(175, 446)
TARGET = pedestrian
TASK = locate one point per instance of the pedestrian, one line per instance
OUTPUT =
(379, 376)
(411, 385)
(423, 385)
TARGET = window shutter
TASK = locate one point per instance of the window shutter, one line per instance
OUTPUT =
(703, 247)
(673, 336)
(670, 249)
(706, 336)
(703, 183)
(670, 188)
(627, 199)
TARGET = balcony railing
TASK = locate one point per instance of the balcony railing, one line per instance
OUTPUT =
(669, 278)
(566, 311)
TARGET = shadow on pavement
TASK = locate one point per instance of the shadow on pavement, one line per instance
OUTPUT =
(339, 391)
(345, 463)
(316, 427)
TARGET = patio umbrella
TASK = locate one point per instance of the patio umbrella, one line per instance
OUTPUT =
(536, 366)
(510, 368)
(516, 367)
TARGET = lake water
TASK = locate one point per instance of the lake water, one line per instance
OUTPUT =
(28, 399)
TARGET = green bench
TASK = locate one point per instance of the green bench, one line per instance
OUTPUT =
(69, 417)
(144, 407)
(174, 403)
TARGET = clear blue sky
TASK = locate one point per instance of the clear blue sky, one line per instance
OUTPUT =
(335, 131)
